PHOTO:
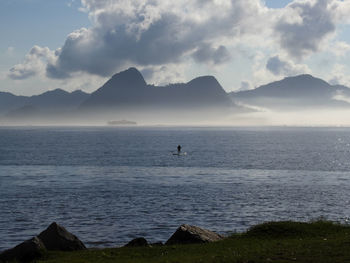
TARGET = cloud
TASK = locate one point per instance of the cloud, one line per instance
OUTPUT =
(339, 95)
(164, 35)
(340, 48)
(156, 33)
(245, 85)
(339, 75)
(160, 75)
(280, 67)
(342, 10)
(33, 64)
(206, 53)
(304, 25)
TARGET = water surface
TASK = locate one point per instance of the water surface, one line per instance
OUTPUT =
(109, 185)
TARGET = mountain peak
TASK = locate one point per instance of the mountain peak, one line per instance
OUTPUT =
(119, 89)
(131, 74)
(302, 76)
(292, 93)
(56, 91)
(206, 83)
(78, 91)
(205, 79)
(128, 90)
(305, 79)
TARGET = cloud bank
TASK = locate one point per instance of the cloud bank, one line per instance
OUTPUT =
(280, 67)
(153, 33)
(34, 63)
(163, 35)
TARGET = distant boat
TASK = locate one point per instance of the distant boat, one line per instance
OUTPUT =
(122, 123)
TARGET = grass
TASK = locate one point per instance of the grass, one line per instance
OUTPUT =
(281, 242)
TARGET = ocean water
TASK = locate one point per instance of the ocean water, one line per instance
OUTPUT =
(108, 185)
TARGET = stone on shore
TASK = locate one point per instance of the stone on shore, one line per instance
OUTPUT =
(187, 234)
(24, 252)
(56, 237)
(137, 242)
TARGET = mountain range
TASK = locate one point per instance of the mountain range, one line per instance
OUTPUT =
(48, 101)
(127, 91)
(295, 93)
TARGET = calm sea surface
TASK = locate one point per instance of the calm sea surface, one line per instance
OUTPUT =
(109, 185)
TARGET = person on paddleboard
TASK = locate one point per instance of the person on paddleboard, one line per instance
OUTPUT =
(178, 149)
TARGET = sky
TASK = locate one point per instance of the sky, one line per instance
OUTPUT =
(79, 44)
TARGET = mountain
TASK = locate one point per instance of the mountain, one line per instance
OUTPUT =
(50, 101)
(123, 89)
(58, 99)
(24, 112)
(128, 90)
(125, 96)
(8, 101)
(298, 92)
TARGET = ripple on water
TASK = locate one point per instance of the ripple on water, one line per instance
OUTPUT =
(108, 206)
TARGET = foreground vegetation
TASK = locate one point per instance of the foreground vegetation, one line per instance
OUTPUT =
(280, 242)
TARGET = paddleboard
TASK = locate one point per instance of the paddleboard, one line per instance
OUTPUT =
(184, 153)
(179, 154)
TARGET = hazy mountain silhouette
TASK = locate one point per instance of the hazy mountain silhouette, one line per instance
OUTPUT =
(128, 90)
(127, 96)
(8, 101)
(299, 92)
(58, 99)
(51, 101)
(26, 111)
(123, 89)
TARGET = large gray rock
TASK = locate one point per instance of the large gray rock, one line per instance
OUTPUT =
(137, 242)
(187, 234)
(56, 237)
(24, 252)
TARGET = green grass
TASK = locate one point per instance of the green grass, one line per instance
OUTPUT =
(280, 242)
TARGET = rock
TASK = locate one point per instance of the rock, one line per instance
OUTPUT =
(187, 234)
(56, 237)
(137, 242)
(24, 252)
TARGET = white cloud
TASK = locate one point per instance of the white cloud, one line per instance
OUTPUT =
(339, 75)
(342, 11)
(163, 75)
(34, 63)
(281, 67)
(341, 96)
(340, 48)
(260, 73)
(305, 25)
(148, 33)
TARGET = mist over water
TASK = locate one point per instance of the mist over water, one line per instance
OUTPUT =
(255, 116)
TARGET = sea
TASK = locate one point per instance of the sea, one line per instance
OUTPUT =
(108, 185)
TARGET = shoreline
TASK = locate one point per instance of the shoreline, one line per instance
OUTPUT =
(284, 241)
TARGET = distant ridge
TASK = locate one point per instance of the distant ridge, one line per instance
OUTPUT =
(298, 92)
(54, 100)
(126, 95)
(122, 89)
(128, 90)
